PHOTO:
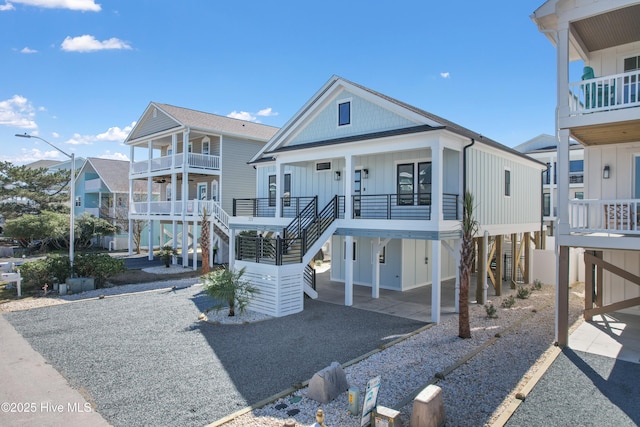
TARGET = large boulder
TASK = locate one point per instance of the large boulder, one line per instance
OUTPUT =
(327, 384)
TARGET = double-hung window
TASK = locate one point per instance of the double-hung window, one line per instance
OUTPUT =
(287, 190)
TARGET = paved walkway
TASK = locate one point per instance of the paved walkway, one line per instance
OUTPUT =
(32, 392)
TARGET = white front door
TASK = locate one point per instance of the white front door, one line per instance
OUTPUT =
(214, 191)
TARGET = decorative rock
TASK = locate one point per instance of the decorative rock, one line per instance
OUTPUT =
(293, 412)
(327, 384)
(290, 423)
(281, 406)
(428, 408)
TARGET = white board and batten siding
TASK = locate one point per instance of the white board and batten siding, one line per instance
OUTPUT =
(238, 177)
(281, 288)
(486, 181)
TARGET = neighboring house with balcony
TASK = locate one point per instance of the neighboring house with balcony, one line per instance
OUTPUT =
(544, 148)
(102, 190)
(600, 110)
(383, 182)
(199, 161)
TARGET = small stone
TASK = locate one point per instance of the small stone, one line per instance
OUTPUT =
(439, 375)
(295, 399)
(293, 412)
(520, 396)
(497, 335)
(202, 316)
(281, 406)
(101, 297)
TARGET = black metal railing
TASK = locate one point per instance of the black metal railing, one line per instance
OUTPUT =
(266, 207)
(310, 276)
(402, 206)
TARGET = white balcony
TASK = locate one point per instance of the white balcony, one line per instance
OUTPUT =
(618, 217)
(606, 93)
(192, 208)
(194, 161)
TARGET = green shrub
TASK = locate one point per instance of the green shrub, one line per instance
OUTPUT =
(523, 292)
(35, 274)
(509, 302)
(491, 311)
(537, 285)
(98, 266)
(228, 287)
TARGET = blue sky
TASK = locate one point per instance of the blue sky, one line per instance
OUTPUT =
(79, 73)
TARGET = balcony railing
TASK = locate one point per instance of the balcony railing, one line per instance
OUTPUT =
(604, 216)
(377, 206)
(266, 207)
(605, 93)
(195, 160)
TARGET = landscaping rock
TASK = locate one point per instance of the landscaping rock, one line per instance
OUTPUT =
(327, 384)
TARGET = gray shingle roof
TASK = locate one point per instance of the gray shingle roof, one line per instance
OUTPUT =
(219, 124)
(114, 173)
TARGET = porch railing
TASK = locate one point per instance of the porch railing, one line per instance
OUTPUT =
(195, 160)
(402, 206)
(266, 207)
(605, 216)
(605, 93)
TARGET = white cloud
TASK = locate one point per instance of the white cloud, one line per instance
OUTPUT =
(83, 5)
(87, 43)
(78, 139)
(113, 156)
(445, 75)
(5, 7)
(28, 50)
(18, 112)
(267, 112)
(251, 117)
(115, 133)
(242, 115)
(29, 155)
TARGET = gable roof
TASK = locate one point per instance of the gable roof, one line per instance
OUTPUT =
(114, 173)
(41, 164)
(184, 117)
(424, 120)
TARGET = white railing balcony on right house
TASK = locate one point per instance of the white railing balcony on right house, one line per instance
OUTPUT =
(605, 216)
(605, 93)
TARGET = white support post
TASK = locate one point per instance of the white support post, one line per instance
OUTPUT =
(348, 271)
(375, 274)
(150, 239)
(232, 248)
(195, 244)
(437, 187)
(185, 244)
(279, 187)
(348, 187)
(436, 279)
(130, 238)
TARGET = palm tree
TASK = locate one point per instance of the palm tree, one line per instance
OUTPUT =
(204, 240)
(469, 229)
(229, 288)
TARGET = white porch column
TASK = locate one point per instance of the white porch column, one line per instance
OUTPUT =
(348, 271)
(195, 243)
(279, 188)
(185, 243)
(174, 193)
(563, 135)
(174, 234)
(232, 248)
(174, 149)
(375, 274)
(149, 154)
(130, 239)
(436, 182)
(150, 238)
(436, 279)
(348, 187)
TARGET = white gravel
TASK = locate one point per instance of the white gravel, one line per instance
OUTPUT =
(475, 393)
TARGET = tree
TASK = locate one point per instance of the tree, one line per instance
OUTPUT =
(469, 229)
(205, 243)
(31, 191)
(89, 227)
(119, 215)
(45, 228)
(228, 287)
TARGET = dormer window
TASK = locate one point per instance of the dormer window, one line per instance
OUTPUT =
(344, 113)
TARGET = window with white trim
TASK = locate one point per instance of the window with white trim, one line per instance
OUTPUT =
(287, 190)
(507, 182)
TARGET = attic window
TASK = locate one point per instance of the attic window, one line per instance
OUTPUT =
(155, 113)
(323, 166)
(344, 113)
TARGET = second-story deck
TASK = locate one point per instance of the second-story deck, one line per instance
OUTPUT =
(177, 161)
(612, 217)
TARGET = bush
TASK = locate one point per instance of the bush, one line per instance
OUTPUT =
(229, 287)
(537, 285)
(35, 274)
(509, 302)
(98, 266)
(523, 292)
(491, 311)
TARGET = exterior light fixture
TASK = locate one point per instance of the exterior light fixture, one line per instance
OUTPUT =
(337, 176)
(606, 172)
(365, 173)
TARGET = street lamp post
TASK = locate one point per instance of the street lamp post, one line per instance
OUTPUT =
(72, 192)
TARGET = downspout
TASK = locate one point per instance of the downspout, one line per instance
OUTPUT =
(464, 167)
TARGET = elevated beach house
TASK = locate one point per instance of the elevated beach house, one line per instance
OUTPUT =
(382, 182)
(598, 105)
(199, 161)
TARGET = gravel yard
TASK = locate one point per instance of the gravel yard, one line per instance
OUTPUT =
(145, 359)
